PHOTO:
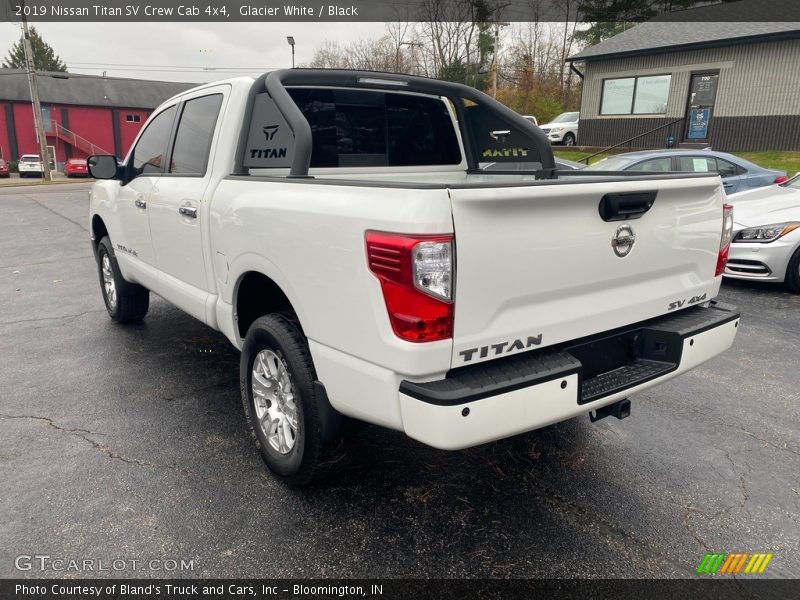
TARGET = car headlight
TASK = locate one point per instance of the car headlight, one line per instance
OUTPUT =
(765, 233)
(556, 129)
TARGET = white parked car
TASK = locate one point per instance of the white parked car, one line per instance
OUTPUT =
(766, 240)
(563, 129)
(336, 228)
(30, 165)
(531, 118)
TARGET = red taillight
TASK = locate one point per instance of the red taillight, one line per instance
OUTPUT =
(725, 239)
(781, 179)
(416, 275)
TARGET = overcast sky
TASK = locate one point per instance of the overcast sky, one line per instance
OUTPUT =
(260, 46)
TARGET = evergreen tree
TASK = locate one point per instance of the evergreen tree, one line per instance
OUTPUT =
(607, 18)
(44, 57)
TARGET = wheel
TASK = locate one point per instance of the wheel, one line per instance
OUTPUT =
(126, 302)
(569, 139)
(286, 411)
(793, 272)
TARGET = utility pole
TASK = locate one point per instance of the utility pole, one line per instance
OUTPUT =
(497, 27)
(36, 105)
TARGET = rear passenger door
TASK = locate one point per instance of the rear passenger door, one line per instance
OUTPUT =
(178, 207)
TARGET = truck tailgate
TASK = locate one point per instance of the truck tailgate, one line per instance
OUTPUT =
(536, 265)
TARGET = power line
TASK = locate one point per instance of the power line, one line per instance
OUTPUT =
(104, 64)
(151, 70)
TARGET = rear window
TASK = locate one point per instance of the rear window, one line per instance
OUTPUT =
(354, 128)
(29, 159)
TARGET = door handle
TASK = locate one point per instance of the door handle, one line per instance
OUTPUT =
(140, 203)
(621, 206)
(188, 211)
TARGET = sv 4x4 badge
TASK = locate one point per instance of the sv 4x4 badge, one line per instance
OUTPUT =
(681, 303)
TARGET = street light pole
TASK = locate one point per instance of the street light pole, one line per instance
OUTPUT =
(290, 39)
(36, 105)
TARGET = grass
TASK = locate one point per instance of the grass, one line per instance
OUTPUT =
(785, 161)
(770, 159)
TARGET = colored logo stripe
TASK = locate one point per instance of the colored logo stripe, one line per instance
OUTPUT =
(733, 563)
(758, 563)
(710, 563)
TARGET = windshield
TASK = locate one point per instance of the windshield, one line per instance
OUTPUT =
(566, 118)
(612, 163)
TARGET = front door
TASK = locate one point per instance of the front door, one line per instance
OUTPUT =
(132, 242)
(702, 94)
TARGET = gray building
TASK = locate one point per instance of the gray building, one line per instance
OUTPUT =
(734, 86)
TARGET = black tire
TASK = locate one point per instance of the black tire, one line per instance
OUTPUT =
(569, 139)
(793, 273)
(313, 440)
(132, 300)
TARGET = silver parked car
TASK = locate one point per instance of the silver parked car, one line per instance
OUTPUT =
(737, 173)
(766, 238)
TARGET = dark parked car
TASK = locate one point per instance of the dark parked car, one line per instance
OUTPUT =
(4, 169)
(737, 174)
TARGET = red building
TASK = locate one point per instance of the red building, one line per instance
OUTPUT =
(82, 114)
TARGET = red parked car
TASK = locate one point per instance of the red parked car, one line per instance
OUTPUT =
(4, 170)
(76, 167)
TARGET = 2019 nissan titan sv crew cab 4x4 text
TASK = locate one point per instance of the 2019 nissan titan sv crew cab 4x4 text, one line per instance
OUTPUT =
(335, 226)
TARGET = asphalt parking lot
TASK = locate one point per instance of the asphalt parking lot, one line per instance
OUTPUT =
(129, 444)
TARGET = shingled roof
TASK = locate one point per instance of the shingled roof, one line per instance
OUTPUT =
(88, 90)
(706, 26)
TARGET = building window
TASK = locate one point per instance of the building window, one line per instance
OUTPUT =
(646, 95)
(133, 118)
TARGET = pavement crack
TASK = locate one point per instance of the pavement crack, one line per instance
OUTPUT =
(36, 320)
(45, 262)
(58, 214)
(687, 514)
(85, 434)
(785, 448)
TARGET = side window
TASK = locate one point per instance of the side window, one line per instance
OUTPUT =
(697, 164)
(662, 165)
(148, 155)
(726, 169)
(193, 139)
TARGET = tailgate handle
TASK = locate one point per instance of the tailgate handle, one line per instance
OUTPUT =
(621, 206)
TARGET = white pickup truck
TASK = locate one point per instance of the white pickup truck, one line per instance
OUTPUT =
(335, 226)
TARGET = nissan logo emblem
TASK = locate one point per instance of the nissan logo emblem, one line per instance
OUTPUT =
(623, 241)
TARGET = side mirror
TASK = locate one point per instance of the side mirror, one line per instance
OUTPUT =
(103, 166)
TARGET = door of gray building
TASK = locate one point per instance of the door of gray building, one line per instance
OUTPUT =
(700, 109)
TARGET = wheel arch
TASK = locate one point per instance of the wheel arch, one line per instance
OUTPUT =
(256, 294)
(99, 229)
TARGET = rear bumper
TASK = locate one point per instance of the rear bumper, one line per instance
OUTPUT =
(501, 398)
